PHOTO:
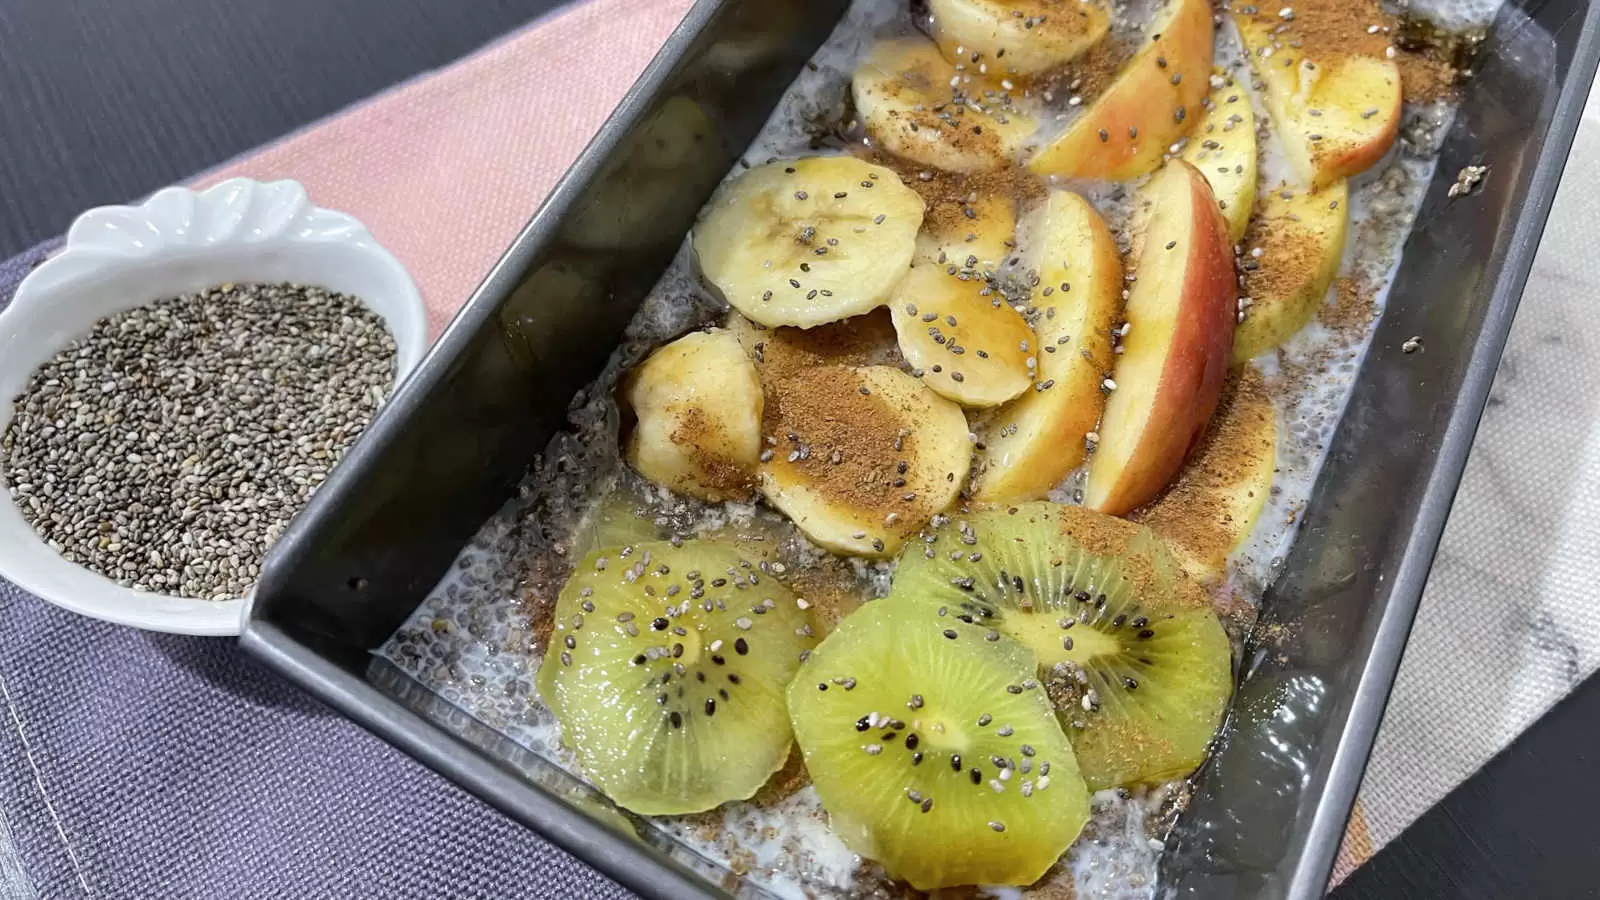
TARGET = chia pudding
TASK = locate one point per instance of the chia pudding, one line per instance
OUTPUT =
(878, 475)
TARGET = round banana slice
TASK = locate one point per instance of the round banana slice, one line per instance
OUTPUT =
(1023, 37)
(698, 401)
(861, 458)
(809, 241)
(918, 106)
(968, 342)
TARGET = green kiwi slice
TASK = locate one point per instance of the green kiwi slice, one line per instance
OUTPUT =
(666, 669)
(936, 752)
(1129, 648)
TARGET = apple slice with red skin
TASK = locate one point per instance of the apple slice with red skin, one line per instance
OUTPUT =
(1131, 127)
(1180, 314)
(1330, 82)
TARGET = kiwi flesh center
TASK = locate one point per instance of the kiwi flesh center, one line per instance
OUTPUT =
(1044, 634)
(942, 733)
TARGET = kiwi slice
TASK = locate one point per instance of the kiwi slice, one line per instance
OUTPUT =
(616, 521)
(1132, 653)
(666, 669)
(936, 752)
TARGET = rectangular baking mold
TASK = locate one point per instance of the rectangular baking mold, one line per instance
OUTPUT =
(1271, 806)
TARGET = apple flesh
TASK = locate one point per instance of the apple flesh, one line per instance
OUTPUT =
(1180, 316)
(1335, 100)
(1213, 506)
(1223, 148)
(1292, 252)
(1131, 127)
(1035, 441)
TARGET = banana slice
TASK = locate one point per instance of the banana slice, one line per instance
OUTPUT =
(968, 342)
(971, 223)
(861, 458)
(698, 402)
(1223, 148)
(1023, 37)
(918, 106)
(1034, 442)
(807, 241)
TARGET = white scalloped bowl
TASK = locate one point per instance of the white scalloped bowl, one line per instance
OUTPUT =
(177, 242)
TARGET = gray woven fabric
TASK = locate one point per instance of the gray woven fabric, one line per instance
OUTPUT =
(151, 766)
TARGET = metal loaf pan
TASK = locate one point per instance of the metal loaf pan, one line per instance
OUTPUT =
(1270, 809)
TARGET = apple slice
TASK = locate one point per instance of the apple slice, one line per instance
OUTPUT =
(1020, 37)
(962, 336)
(1223, 148)
(1180, 318)
(1331, 85)
(1213, 506)
(1292, 251)
(1129, 129)
(916, 105)
(1032, 443)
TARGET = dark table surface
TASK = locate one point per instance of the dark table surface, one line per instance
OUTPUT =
(103, 101)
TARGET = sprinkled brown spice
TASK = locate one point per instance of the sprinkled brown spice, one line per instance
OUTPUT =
(862, 341)
(830, 589)
(1290, 255)
(1328, 31)
(1200, 513)
(1088, 76)
(1426, 74)
(825, 412)
(949, 196)
(1352, 309)
(702, 437)
(954, 119)
(1109, 536)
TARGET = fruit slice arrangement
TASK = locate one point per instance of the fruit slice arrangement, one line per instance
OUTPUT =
(1130, 650)
(1292, 251)
(1180, 320)
(666, 668)
(969, 348)
(945, 303)
(1213, 505)
(697, 404)
(935, 751)
(860, 458)
(1223, 148)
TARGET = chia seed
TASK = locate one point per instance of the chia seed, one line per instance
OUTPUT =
(168, 448)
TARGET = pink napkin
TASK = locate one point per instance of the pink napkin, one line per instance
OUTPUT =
(447, 168)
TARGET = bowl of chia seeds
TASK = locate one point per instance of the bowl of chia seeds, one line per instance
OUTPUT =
(176, 382)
